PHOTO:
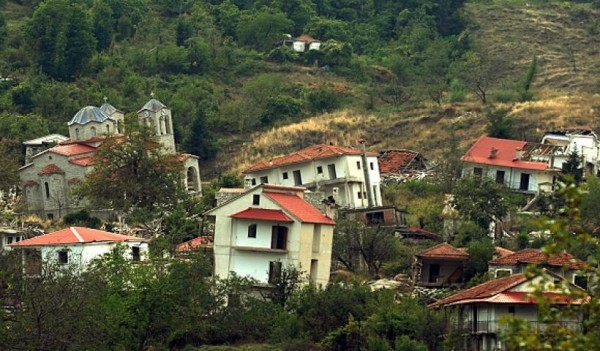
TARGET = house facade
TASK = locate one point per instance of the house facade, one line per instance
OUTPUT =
(50, 176)
(481, 309)
(518, 165)
(267, 228)
(74, 248)
(348, 177)
(581, 140)
(439, 266)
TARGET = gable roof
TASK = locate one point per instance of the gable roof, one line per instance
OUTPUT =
(306, 38)
(443, 250)
(262, 214)
(194, 244)
(51, 169)
(299, 208)
(311, 153)
(482, 291)
(395, 161)
(501, 252)
(505, 154)
(74, 235)
(82, 161)
(71, 149)
(536, 256)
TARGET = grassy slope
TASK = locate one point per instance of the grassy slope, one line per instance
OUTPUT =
(565, 90)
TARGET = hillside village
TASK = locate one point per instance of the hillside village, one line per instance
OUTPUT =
(299, 175)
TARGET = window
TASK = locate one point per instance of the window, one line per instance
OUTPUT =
(357, 164)
(297, 178)
(503, 273)
(108, 129)
(50, 216)
(478, 171)
(375, 217)
(274, 272)
(332, 172)
(279, 237)
(580, 281)
(252, 231)
(47, 189)
(9, 240)
(93, 131)
(372, 166)
(256, 199)
(320, 169)
(511, 309)
(285, 175)
(500, 177)
(76, 133)
(264, 180)
(360, 194)
(253, 181)
(63, 257)
(50, 157)
(135, 253)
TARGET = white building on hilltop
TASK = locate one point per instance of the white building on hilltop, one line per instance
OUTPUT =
(261, 231)
(348, 177)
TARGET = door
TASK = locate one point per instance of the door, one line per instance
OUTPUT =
(500, 177)
(434, 272)
(524, 185)
(297, 178)
(331, 169)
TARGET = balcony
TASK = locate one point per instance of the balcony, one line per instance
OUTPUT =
(494, 327)
(260, 249)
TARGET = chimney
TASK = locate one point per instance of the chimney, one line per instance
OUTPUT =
(493, 152)
(365, 167)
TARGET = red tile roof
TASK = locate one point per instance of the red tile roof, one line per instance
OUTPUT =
(73, 181)
(501, 252)
(538, 257)
(482, 291)
(394, 161)
(306, 38)
(315, 152)
(505, 155)
(194, 244)
(51, 169)
(262, 214)
(72, 149)
(299, 208)
(82, 161)
(91, 140)
(443, 250)
(30, 183)
(74, 235)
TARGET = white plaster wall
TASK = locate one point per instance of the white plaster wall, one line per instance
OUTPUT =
(512, 176)
(80, 255)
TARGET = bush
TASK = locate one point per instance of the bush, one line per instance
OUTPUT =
(82, 218)
(324, 99)
(283, 54)
(458, 91)
(281, 107)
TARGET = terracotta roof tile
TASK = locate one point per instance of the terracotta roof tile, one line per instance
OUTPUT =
(74, 181)
(306, 38)
(82, 161)
(194, 244)
(443, 250)
(74, 235)
(481, 291)
(30, 183)
(315, 152)
(538, 257)
(262, 214)
(394, 161)
(72, 149)
(299, 208)
(51, 169)
(501, 252)
(505, 154)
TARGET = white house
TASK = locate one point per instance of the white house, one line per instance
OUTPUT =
(481, 308)
(347, 176)
(305, 43)
(75, 248)
(268, 227)
(9, 236)
(581, 140)
(519, 165)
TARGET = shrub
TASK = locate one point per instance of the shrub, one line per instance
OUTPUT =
(458, 91)
(82, 218)
(324, 99)
(283, 54)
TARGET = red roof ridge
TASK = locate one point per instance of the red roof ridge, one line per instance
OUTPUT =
(74, 235)
(51, 169)
(299, 208)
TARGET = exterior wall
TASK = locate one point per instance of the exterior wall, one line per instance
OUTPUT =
(348, 178)
(193, 184)
(59, 202)
(512, 176)
(233, 249)
(161, 122)
(446, 270)
(85, 131)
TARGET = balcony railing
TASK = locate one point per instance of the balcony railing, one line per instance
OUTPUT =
(493, 327)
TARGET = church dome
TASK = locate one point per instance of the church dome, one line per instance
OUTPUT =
(89, 114)
(153, 105)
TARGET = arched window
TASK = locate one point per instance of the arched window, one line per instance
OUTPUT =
(163, 128)
(108, 129)
(168, 125)
(93, 131)
(192, 179)
(76, 133)
(252, 231)
(47, 189)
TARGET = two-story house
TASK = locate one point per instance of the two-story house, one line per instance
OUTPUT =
(348, 177)
(480, 310)
(518, 165)
(267, 228)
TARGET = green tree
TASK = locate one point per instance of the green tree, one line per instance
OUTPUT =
(500, 124)
(131, 173)
(476, 72)
(299, 11)
(9, 165)
(103, 24)
(261, 29)
(480, 253)
(62, 38)
(480, 200)
(200, 139)
(572, 167)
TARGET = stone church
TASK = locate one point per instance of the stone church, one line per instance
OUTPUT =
(49, 176)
